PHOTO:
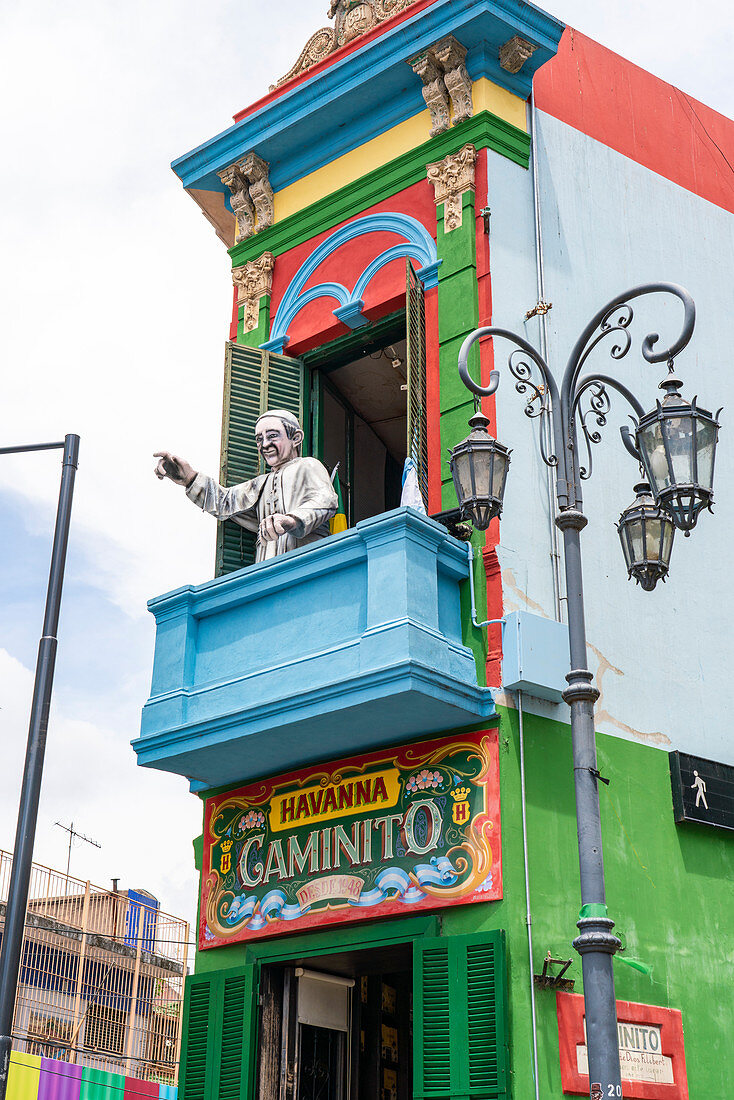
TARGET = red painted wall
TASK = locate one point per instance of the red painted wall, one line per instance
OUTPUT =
(609, 99)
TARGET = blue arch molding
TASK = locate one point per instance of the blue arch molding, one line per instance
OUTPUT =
(417, 243)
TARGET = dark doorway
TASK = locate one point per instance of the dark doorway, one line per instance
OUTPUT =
(337, 1028)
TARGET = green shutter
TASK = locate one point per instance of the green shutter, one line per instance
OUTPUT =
(460, 1017)
(239, 1028)
(199, 1016)
(415, 314)
(219, 1031)
(254, 381)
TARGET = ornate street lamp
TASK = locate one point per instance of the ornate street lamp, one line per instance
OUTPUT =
(675, 445)
(479, 468)
(646, 533)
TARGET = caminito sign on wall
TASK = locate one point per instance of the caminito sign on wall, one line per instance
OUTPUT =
(405, 829)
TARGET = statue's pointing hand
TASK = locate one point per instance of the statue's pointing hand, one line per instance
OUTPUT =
(178, 470)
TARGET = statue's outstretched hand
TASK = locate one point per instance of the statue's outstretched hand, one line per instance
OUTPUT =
(171, 466)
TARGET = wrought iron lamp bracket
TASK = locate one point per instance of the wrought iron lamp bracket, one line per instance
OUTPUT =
(564, 408)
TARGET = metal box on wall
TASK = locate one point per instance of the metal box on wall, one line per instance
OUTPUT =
(535, 655)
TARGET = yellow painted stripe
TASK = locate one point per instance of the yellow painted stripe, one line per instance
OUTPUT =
(24, 1076)
(378, 152)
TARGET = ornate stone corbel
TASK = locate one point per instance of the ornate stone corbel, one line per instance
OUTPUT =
(255, 171)
(452, 177)
(515, 53)
(253, 280)
(451, 56)
(242, 205)
(434, 91)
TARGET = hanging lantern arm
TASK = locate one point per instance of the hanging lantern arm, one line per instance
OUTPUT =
(630, 446)
(546, 395)
(595, 385)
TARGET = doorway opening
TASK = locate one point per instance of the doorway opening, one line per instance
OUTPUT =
(368, 407)
(337, 1027)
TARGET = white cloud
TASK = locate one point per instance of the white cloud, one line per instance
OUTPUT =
(144, 821)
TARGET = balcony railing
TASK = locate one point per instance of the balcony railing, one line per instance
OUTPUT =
(334, 649)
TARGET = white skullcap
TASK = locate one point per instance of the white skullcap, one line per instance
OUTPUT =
(280, 414)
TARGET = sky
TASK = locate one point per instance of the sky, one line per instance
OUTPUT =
(115, 299)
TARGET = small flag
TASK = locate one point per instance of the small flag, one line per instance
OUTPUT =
(338, 522)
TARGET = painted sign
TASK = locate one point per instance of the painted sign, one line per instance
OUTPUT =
(651, 1052)
(703, 791)
(397, 831)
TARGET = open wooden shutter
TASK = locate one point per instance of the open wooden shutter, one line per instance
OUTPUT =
(415, 314)
(254, 381)
(219, 1034)
(460, 1018)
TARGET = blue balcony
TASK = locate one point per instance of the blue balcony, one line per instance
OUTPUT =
(331, 650)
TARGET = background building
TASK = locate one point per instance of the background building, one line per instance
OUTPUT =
(101, 980)
(362, 748)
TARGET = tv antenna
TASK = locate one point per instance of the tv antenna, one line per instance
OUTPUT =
(72, 834)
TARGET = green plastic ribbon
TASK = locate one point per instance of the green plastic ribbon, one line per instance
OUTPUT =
(636, 964)
(593, 909)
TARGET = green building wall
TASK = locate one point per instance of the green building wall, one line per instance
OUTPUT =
(667, 888)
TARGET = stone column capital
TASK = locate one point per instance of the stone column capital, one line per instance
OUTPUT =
(451, 178)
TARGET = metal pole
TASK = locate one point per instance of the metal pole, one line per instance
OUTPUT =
(12, 944)
(596, 943)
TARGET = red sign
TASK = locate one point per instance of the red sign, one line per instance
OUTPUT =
(394, 832)
(650, 1049)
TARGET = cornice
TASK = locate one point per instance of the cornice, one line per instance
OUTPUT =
(370, 90)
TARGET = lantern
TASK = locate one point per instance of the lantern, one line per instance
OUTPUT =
(479, 466)
(646, 533)
(677, 443)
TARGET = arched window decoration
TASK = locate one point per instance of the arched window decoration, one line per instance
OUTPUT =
(416, 244)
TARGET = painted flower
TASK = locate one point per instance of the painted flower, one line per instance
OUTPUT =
(423, 781)
(253, 819)
(483, 887)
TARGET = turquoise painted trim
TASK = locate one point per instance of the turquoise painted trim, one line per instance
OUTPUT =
(351, 314)
(238, 691)
(418, 244)
(315, 122)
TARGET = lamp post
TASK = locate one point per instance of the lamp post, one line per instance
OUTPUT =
(675, 445)
(12, 943)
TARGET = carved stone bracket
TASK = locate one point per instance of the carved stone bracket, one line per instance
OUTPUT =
(452, 177)
(452, 57)
(252, 195)
(515, 53)
(253, 280)
(435, 92)
(446, 83)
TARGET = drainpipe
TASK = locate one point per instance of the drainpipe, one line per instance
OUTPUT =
(545, 425)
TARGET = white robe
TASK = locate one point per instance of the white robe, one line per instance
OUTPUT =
(300, 488)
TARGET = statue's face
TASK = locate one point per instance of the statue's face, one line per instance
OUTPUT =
(273, 442)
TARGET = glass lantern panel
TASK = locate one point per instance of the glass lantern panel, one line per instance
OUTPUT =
(482, 458)
(652, 538)
(624, 539)
(667, 544)
(705, 445)
(679, 435)
(499, 473)
(462, 469)
(635, 535)
(650, 440)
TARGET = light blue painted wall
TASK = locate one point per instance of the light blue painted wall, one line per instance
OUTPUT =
(662, 658)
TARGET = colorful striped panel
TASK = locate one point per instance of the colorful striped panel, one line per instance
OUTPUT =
(100, 1084)
(59, 1080)
(23, 1076)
